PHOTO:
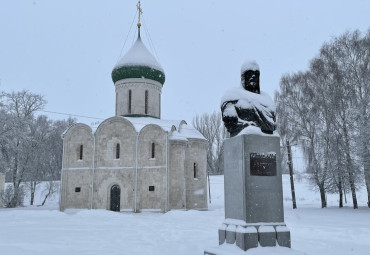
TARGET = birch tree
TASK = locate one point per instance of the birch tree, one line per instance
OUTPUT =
(327, 108)
(297, 121)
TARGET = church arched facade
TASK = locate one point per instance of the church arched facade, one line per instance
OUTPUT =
(135, 161)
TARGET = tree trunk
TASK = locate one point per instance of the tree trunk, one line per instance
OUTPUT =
(14, 202)
(366, 163)
(340, 194)
(350, 166)
(51, 188)
(33, 187)
(322, 195)
(365, 149)
(290, 164)
(353, 191)
(46, 197)
(367, 181)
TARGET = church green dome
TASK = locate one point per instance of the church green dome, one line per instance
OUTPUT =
(138, 62)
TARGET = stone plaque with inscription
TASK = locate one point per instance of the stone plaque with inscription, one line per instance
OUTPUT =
(263, 164)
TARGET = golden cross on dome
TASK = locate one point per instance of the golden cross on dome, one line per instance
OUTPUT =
(140, 12)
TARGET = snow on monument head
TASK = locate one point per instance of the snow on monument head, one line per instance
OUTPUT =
(250, 76)
(247, 105)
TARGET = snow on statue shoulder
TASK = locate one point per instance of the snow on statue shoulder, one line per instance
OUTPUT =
(247, 105)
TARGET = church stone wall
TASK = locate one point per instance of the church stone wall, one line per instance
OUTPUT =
(152, 171)
(138, 88)
(111, 132)
(110, 170)
(75, 189)
(77, 135)
(196, 188)
(164, 182)
(177, 196)
(103, 181)
(148, 135)
(151, 199)
(76, 173)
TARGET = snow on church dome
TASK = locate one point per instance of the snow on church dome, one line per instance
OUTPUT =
(138, 62)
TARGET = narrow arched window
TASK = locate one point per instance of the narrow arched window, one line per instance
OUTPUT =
(81, 151)
(195, 171)
(118, 148)
(146, 101)
(153, 150)
(129, 100)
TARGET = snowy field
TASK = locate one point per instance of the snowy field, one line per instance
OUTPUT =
(45, 230)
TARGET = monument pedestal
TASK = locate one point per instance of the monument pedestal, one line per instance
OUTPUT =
(254, 213)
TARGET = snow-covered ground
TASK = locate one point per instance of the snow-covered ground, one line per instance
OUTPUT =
(45, 230)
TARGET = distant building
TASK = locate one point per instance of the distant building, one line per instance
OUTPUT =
(135, 161)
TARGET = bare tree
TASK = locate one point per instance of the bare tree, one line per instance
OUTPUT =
(297, 121)
(47, 155)
(212, 128)
(17, 142)
(31, 147)
(38, 170)
(50, 190)
(327, 108)
(354, 52)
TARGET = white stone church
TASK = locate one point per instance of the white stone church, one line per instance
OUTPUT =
(135, 161)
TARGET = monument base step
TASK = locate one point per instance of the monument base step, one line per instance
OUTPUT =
(251, 236)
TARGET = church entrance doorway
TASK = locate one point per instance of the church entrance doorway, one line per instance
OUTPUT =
(115, 198)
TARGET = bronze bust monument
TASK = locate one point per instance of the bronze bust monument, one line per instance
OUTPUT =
(247, 105)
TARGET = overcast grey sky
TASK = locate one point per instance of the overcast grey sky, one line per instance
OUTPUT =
(65, 50)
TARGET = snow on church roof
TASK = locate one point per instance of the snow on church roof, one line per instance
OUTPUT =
(177, 129)
(139, 55)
